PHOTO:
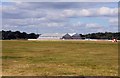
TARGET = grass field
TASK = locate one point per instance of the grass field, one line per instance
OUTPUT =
(59, 58)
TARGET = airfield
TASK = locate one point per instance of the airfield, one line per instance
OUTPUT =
(59, 58)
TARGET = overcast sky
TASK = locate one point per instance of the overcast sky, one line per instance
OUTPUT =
(60, 17)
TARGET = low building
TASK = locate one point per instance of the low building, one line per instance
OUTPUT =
(67, 36)
(56, 36)
(76, 36)
(50, 36)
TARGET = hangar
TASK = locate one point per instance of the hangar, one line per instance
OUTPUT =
(50, 36)
(56, 36)
(76, 36)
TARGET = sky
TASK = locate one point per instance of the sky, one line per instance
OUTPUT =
(60, 17)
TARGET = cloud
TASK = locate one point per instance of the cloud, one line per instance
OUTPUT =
(54, 5)
(84, 12)
(58, 5)
(93, 26)
(92, 12)
(55, 15)
(54, 24)
(55, 10)
(84, 26)
(113, 22)
(31, 22)
(68, 13)
(105, 11)
(87, 25)
(11, 12)
(75, 13)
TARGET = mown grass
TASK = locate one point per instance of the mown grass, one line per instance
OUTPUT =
(54, 58)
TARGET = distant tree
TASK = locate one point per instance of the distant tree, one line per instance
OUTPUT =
(17, 35)
(32, 36)
(24, 35)
(0, 35)
(106, 35)
(11, 35)
(82, 36)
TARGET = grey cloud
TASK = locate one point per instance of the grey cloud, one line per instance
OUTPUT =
(21, 13)
(61, 5)
(53, 15)
(113, 22)
(42, 9)
(54, 5)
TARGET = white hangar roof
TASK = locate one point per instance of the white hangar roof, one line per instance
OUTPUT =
(52, 35)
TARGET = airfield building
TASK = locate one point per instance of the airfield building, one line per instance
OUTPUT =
(50, 36)
(76, 36)
(67, 36)
(56, 36)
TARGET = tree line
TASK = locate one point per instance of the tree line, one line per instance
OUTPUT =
(105, 35)
(8, 35)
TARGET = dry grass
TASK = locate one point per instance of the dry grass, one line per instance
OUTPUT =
(54, 58)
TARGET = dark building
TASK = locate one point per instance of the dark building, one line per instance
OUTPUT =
(76, 36)
(67, 36)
